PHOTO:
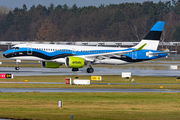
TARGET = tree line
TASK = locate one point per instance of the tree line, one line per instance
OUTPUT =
(113, 22)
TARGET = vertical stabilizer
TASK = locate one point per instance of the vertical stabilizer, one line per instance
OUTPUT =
(152, 38)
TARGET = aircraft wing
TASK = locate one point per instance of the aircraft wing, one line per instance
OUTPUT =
(91, 58)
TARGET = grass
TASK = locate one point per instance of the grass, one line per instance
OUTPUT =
(90, 106)
(106, 79)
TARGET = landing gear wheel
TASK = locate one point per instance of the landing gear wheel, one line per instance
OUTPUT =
(75, 69)
(90, 70)
(17, 68)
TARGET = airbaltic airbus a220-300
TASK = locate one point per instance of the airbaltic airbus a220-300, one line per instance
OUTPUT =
(75, 57)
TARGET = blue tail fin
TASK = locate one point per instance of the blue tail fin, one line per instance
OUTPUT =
(155, 32)
(152, 38)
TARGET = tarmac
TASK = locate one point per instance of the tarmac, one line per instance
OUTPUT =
(97, 71)
(147, 68)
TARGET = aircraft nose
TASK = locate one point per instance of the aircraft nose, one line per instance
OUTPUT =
(5, 54)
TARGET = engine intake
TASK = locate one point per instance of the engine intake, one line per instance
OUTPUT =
(74, 62)
(50, 64)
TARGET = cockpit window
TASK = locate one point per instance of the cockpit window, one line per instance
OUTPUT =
(12, 48)
(16, 48)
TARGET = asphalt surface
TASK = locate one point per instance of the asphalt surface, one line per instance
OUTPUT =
(148, 68)
(132, 83)
(45, 90)
(97, 71)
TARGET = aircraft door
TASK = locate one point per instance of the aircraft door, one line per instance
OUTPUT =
(29, 49)
(73, 51)
(134, 55)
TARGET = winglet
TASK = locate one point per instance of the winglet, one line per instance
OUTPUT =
(141, 47)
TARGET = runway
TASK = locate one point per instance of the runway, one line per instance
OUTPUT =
(133, 83)
(147, 68)
(97, 71)
(46, 90)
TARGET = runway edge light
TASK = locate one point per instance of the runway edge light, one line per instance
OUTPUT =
(6, 75)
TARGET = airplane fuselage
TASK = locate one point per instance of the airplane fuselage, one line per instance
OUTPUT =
(57, 53)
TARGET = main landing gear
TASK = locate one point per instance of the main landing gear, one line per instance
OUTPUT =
(17, 68)
(90, 70)
(75, 69)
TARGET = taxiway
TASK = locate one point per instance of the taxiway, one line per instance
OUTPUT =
(45, 90)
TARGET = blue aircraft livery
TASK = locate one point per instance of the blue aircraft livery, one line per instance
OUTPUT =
(75, 57)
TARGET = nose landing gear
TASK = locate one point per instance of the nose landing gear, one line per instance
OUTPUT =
(17, 62)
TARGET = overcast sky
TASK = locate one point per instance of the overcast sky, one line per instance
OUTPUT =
(70, 3)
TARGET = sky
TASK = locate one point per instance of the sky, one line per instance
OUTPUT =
(80, 3)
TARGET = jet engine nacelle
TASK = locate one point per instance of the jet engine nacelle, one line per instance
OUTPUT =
(50, 64)
(74, 62)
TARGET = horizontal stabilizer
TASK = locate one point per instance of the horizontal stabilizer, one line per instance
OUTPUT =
(162, 52)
